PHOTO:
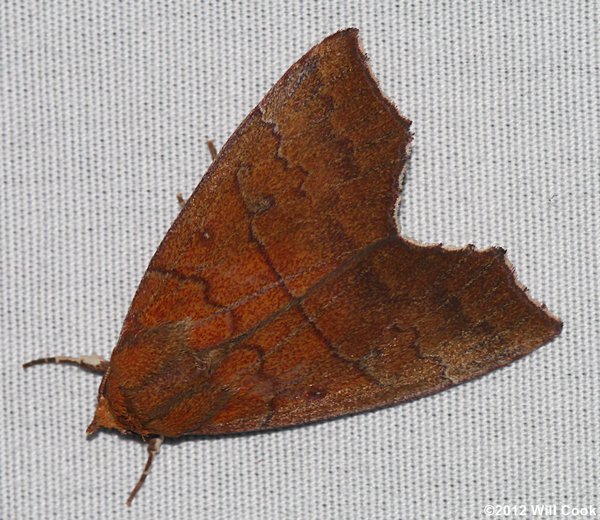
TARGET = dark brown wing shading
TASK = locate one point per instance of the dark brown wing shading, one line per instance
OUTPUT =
(282, 293)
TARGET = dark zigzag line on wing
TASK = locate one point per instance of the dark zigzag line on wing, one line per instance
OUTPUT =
(223, 309)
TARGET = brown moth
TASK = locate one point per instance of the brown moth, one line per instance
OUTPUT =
(283, 293)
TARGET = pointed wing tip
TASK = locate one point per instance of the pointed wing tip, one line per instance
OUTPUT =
(347, 33)
(552, 324)
(350, 35)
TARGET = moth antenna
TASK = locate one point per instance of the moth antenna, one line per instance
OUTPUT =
(92, 362)
(212, 149)
(154, 445)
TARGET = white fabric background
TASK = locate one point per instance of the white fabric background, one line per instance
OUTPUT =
(104, 112)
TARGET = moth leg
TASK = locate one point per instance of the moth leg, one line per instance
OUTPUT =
(213, 155)
(154, 445)
(212, 149)
(92, 362)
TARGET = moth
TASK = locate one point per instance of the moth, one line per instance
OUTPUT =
(283, 293)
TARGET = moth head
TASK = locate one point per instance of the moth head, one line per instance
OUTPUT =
(105, 418)
(152, 373)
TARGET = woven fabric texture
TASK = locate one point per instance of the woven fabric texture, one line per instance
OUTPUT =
(105, 108)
